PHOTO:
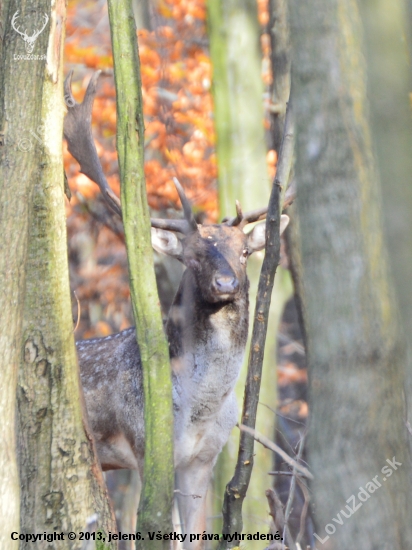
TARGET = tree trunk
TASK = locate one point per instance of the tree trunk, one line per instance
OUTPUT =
(61, 481)
(141, 12)
(155, 509)
(18, 166)
(355, 351)
(234, 35)
(389, 86)
(238, 103)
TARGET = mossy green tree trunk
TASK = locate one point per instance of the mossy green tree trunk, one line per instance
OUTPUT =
(234, 35)
(61, 481)
(155, 509)
(356, 354)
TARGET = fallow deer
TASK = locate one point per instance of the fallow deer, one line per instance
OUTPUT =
(207, 328)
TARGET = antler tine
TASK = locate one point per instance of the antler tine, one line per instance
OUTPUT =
(171, 225)
(253, 216)
(239, 210)
(249, 217)
(236, 220)
(77, 131)
(187, 209)
(260, 214)
(68, 96)
(185, 226)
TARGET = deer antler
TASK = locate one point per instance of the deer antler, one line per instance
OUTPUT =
(242, 219)
(260, 214)
(77, 131)
(188, 225)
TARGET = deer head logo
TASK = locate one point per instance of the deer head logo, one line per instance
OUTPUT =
(29, 40)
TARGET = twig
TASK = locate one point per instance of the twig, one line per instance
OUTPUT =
(266, 442)
(280, 58)
(281, 473)
(236, 489)
(276, 511)
(282, 415)
(285, 162)
(185, 494)
(306, 496)
(290, 194)
(293, 484)
(284, 339)
(78, 311)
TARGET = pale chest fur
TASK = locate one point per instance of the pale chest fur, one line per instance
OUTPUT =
(205, 375)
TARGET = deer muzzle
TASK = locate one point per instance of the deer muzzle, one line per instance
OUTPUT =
(225, 284)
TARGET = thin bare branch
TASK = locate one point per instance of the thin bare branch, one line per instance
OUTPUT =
(276, 511)
(280, 473)
(236, 489)
(78, 311)
(306, 496)
(186, 494)
(266, 442)
(293, 483)
(290, 195)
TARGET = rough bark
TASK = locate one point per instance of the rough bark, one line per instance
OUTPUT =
(61, 481)
(18, 165)
(157, 492)
(356, 354)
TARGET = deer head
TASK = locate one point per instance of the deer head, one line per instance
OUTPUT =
(216, 255)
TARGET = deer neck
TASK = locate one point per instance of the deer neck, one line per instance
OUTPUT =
(207, 341)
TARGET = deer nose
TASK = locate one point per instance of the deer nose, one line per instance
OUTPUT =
(226, 284)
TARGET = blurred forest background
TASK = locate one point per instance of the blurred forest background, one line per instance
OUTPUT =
(216, 79)
(182, 118)
(180, 141)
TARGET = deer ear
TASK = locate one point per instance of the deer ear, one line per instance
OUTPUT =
(284, 222)
(257, 237)
(167, 243)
